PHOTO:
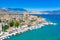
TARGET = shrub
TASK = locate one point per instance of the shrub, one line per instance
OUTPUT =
(11, 23)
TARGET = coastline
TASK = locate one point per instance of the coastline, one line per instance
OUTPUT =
(22, 29)
(16, 24)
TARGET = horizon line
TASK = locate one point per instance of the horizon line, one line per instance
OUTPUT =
(36, 9)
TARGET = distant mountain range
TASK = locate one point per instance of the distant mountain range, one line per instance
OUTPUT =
(12, 10)
(52, 12)
(21, 11)
(45, 12)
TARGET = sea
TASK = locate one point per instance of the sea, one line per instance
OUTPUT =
(47, 32)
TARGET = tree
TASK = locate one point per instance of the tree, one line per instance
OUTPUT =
(5, 27)
(11, 23)
(16, 23)
(32, 20)
(39, 16)
(0, 20)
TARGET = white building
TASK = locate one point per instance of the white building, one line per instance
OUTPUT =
(0, 27)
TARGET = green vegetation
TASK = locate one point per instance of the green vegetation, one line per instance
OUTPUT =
(11, 23)
(5, 27)
(16, 23)
(32, 20)
(39, 16)
(24, 20)
(0, 20)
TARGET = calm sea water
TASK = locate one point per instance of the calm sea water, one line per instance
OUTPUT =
(49, 32)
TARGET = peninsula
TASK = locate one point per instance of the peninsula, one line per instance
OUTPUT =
(16, 24)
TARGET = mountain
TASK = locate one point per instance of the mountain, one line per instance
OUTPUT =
(45, 12)
(12, 10)
(52, 12)
(21, 11)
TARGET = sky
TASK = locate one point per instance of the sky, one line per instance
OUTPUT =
(31, 4)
